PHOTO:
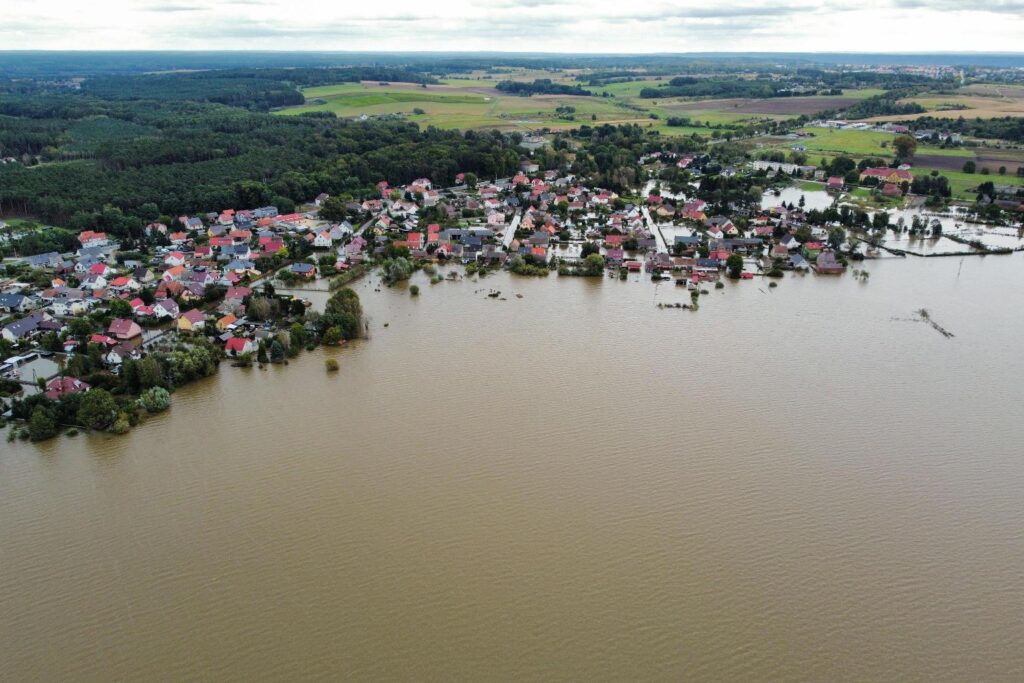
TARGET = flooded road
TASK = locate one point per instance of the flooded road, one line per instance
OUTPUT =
(788, 484)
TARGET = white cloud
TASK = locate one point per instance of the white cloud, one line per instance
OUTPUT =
(517, 25)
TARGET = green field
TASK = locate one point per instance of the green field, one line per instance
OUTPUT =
(964, 185)
(464, 104)
(473, 102)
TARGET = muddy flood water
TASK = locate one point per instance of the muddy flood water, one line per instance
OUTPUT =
(799, 483)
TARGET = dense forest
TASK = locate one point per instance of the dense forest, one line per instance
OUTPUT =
(82, 151)
(257, 89)
(782, 83)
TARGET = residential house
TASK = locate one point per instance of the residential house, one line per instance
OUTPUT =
(124, 329)
(226, 322)
(15, 303)
(192, 321)
(59, 387)
(236, 346)
(88, 238)
(887, 175)
(24, 328)
(322, 240)
(120, 353)
(306, 270)
(892, 190)
(166, 308)
(827, 264)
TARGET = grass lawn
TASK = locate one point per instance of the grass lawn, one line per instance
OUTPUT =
(964, 185)
(851, 142)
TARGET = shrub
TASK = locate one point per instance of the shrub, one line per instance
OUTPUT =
(414, 290)
(332, 336)
(331, 365)
(155, 400)
(122, 425)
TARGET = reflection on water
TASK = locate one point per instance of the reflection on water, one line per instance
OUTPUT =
(790, 484)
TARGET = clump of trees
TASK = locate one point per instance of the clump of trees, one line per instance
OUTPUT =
(344, 312)
(590, 266)
(540, 86)
(396, 269)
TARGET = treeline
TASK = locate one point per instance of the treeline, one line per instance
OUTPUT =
(1004, 128)
(686, 86)
(886, 104)
(540, 86)
(257, 89)
(862, 79)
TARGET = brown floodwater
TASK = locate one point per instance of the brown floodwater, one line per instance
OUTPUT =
(788, 484)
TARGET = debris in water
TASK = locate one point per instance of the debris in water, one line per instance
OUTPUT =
(923, 316)
(519, 296)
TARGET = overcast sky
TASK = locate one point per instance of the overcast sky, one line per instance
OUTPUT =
(517, 25)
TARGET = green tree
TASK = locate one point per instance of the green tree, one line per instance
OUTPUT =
(50, 342)
(334, 210)
(593, 265)
(905, 146)
(97, 409)
(119, 308)
(80, 328)
(734, 265)
(970, 167)
(41, 425)
(397, 269)
(277, 351)
(836, 237)
(297, 333)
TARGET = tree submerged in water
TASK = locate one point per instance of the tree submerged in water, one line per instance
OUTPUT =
(343, 311)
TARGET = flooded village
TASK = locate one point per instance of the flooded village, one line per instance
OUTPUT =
(135, 320)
